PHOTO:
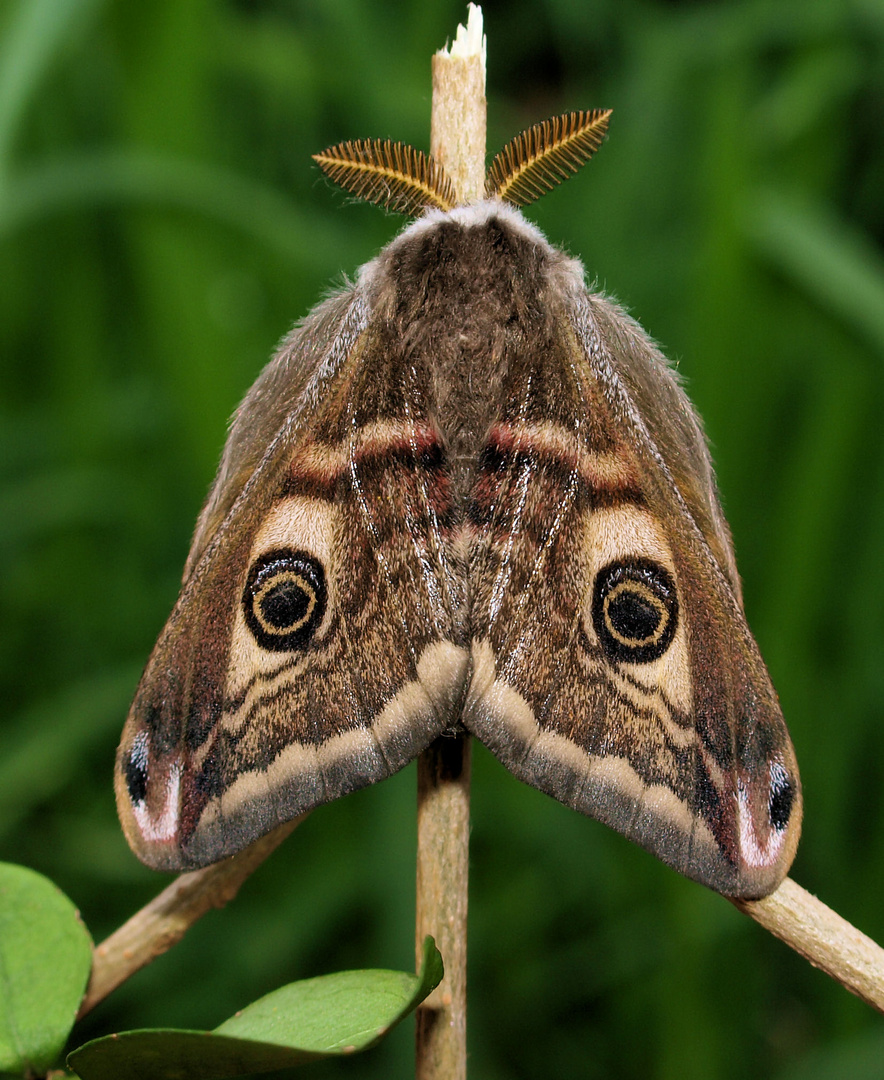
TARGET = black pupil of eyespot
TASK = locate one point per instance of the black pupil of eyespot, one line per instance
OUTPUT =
(284, 599)
(285, 604)
(634, 616)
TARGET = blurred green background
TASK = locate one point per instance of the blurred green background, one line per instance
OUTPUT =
(161, 227)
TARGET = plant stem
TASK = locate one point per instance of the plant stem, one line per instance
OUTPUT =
(457, 141)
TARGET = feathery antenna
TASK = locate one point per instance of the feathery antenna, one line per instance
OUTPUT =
(543, 156)
(390, 174)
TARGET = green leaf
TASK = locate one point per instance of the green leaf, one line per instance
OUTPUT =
(45, 959)
(329, 1015)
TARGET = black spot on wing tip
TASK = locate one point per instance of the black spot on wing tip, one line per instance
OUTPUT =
(136, 777)
(781, 798)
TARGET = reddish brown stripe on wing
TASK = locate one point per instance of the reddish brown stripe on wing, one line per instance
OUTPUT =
(315, 471)
(410, 470)
(324, 470)
(558, 462)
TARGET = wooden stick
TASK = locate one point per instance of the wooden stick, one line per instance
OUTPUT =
(457, 141)
(458, 122)
(821, 936)
(164, 921)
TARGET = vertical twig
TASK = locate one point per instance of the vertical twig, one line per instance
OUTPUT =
(443, 822)
(457, 141)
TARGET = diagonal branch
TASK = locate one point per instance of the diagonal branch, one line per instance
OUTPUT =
(823, 938)
(164, 921)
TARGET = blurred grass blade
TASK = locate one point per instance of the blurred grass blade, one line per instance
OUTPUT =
(121, 177)
(858, 1057)
(65, 497)
(330, 1015)
(835, 264)
(82, 716)
(45, 959)
(31, 37)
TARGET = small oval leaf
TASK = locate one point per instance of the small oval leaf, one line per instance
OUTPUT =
(45, 960)
(329, 1015)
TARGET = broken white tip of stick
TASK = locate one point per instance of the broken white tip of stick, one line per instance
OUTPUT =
(469, 40)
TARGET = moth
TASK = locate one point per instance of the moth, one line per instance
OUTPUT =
(467, 492)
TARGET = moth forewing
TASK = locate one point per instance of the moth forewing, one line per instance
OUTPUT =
(255, 704)
(617, 672)
(747, 792)
(180, 697)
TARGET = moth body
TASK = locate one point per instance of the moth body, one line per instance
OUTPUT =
(466, 491)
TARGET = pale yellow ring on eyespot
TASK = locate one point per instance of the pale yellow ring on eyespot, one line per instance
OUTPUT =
(640, 589)
(272, 583)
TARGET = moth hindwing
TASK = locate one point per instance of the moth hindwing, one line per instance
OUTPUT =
(465, 492)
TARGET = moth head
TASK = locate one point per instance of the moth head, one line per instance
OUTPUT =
(407, 181)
